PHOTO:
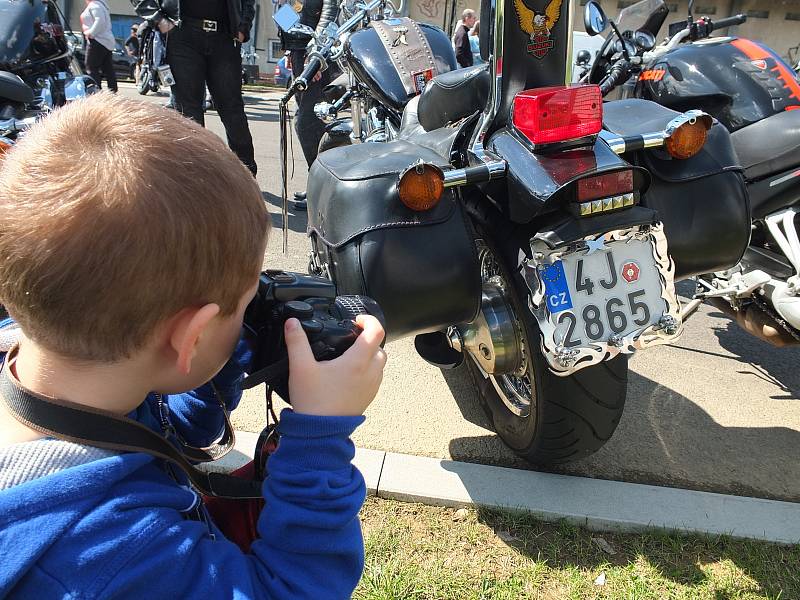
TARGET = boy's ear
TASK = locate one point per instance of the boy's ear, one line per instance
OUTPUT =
(187, 330)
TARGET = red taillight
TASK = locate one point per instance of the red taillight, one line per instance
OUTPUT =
(277, 70)
(605, 186)
(558, 114)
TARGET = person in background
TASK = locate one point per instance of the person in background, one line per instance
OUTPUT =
(203, 47)
(316, 14)
(462, 44)
(475, 43)
(132, 43)
(132, 48)
(96, 25)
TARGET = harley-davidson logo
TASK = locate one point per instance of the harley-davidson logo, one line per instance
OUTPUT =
(538, 26)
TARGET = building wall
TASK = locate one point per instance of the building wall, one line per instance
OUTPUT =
(775, 23)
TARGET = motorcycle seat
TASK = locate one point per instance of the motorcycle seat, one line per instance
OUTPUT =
(452, 96)
(770, 145)
(439, 140)
(14, 89)
(635, 117)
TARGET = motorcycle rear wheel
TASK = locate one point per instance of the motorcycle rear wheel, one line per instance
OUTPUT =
(543, 418)
(143, 85)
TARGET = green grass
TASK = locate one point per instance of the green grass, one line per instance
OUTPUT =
(417, 552)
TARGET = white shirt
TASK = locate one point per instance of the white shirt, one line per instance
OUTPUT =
(96, 23)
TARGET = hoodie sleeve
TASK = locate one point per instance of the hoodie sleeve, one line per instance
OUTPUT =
(310, 543)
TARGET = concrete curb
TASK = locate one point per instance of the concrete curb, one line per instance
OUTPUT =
(592, 503)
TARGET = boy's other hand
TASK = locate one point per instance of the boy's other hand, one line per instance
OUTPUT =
(344, 386)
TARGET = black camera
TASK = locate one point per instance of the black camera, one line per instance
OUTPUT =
(327, 319)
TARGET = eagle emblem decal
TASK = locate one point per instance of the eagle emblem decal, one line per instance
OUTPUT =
(538, 26)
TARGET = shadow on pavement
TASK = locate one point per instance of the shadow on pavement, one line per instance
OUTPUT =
(297, 220)
(776, 365)
(261, 115)
(663, 438)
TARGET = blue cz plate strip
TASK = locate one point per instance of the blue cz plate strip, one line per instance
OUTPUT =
(556, 289)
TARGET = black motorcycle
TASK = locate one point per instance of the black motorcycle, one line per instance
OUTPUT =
(499, 225)
(754, 94)
(148, 61)
(36, 72)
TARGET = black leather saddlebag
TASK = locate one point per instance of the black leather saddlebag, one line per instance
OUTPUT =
(421, 267)
(703, 203)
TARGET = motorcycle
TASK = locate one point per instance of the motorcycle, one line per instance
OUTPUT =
(794, 58)
(36, 72)
(151, 56)
(375, 102)
(499, 227)
(754, 94)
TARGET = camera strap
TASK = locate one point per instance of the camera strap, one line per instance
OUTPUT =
(278, 372)
(269, 375)
(80, 424)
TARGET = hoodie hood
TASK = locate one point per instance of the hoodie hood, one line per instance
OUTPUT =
(37, 514)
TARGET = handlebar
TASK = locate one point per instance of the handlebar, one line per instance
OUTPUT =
(318, 59)
(618, 74)
(726, 22)
(312, 68)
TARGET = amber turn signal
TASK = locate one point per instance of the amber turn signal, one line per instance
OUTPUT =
(688, 139)
(421, 186)
(5, 146)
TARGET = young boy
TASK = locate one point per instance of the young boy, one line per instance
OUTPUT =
(131, 241)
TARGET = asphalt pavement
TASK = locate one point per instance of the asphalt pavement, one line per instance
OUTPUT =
(717, 411)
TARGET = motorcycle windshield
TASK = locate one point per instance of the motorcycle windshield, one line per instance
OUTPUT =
(30, 30)
(636, 15)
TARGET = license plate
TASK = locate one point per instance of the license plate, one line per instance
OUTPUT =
(605, 295)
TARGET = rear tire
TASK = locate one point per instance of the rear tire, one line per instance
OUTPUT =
(544, 418)
(143, 85)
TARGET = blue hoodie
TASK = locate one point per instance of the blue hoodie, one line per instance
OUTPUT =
(117, 527)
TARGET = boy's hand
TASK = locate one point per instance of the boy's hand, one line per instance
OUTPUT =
(341, 387)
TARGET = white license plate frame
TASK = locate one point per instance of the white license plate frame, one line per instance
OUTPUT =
(637, 282)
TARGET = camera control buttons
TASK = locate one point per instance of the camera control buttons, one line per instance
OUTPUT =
(312, 326)
(283, 278)
(298, 309)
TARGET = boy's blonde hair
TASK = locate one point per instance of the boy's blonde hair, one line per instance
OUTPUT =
(114, 216)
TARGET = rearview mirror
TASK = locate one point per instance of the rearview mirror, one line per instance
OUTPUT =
(594, 19)
(286, 18)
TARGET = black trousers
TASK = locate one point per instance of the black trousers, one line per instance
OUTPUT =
(309, 128)
(99, 63)
(198, 58)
